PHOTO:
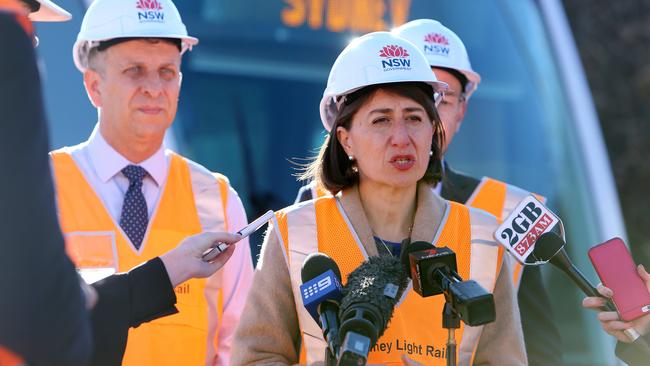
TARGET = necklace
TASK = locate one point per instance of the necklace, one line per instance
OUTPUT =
(388, 251)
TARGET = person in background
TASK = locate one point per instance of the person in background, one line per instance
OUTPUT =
(613, 325)
(123, 186)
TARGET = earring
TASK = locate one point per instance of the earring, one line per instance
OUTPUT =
(431, 153)
(353, 167)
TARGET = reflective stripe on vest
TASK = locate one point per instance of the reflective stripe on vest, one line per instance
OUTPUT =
(322, 226)
(8, 358)
(190, 202)
(499, 199)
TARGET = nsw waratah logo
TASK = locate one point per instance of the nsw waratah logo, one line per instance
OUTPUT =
(436, 38)
(395, 58)
(436, 44)
(150, 11)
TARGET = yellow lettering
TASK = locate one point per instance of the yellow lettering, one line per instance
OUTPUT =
(359, 19)
(400, 11)
(316, 14)
(341, 15)
(337, 15)
(377, 12)
(294, 16)
(367, 16)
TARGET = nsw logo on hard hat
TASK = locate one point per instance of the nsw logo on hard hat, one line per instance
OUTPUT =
(150, 11)
(437, 44)
(395, 58)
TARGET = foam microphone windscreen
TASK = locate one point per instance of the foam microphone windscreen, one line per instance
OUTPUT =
(370, 296)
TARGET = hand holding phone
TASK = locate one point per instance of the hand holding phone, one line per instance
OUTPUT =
(617, 271)
(213, 252)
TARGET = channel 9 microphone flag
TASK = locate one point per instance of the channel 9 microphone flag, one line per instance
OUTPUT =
(528, 221)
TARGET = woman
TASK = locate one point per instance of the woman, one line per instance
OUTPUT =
(380, 161)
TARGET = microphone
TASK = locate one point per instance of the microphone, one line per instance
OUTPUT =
(434, 272)
(321, 294)
(527, 233)
(522, 228)
(550, 248)
(368, 302)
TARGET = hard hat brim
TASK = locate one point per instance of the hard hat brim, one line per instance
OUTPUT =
(328, 122)
(474, 79)
(50, 12)
(187, 43)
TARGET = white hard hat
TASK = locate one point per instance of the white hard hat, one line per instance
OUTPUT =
(49, 12)
(110, 19)
(375, 58)
(442, 48)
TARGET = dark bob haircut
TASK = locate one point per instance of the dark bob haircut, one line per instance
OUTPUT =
(332, 169)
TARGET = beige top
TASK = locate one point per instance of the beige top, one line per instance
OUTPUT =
(269, 332)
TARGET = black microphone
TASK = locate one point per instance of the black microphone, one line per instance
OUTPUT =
(321, 294)
(433, 271)
(550, 248)
(368, 302)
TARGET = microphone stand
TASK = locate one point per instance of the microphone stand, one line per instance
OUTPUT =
(451, 322)
(450, 317)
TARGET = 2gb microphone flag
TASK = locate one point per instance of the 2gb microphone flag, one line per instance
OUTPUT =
(519, 231)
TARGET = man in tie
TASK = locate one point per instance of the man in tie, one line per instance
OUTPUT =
(124, 193)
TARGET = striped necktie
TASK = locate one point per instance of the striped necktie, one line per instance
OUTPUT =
(134, 218)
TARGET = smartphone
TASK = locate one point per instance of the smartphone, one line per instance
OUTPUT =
(617, 270)
(219, 247)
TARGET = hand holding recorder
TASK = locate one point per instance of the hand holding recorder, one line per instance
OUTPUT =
(186, 260)
(201, 255)
(219, 247)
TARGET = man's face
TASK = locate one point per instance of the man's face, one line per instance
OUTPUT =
(135, 86)
(452, 107)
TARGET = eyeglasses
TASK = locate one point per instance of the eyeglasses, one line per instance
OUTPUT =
(438, 97)
(451, 99)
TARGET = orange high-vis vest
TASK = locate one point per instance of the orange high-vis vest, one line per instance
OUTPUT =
(499, 199)
(8, 358)
(415, 329)
(192, 200)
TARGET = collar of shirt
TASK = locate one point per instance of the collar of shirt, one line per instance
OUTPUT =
(108, 162)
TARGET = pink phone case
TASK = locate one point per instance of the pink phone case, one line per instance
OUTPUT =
(617, 270)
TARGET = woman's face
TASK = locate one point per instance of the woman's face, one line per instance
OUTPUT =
(390, 139)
